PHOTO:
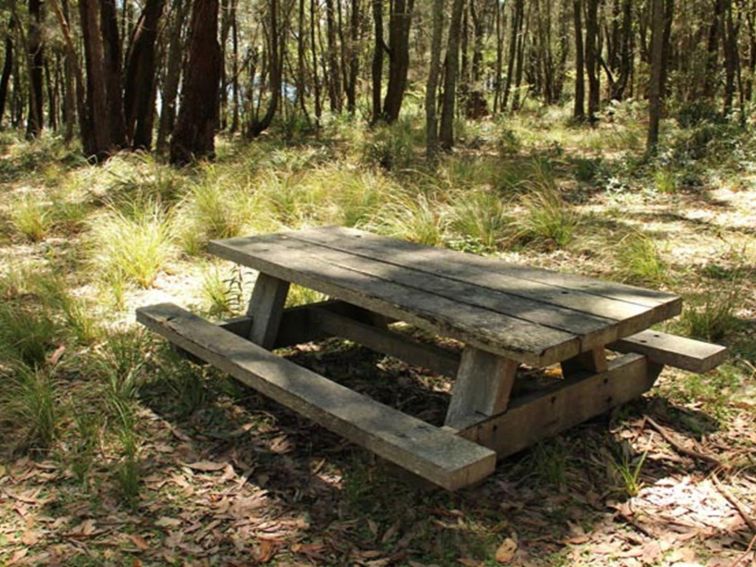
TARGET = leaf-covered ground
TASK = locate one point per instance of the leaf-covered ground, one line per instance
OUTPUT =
(150, 460)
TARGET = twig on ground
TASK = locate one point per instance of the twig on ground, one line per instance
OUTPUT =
(735, 503)
(745, 553)
(677, 446)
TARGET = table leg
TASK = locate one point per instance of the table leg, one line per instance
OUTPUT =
(482, 388)
(592, 361)
(266, 308)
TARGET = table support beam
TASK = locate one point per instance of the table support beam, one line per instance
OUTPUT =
(483, 386)
(593, 361)
(266, 304)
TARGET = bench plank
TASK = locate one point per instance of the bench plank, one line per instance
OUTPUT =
(631, 305)
(432, 453)
(680, 352)
(488, 330)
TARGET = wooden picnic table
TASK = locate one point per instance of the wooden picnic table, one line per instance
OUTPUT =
(505, 315)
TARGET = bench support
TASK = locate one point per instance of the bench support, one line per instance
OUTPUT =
(593, 360)
(483, 386)
(267, 303)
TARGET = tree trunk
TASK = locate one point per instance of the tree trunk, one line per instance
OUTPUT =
(139, 93)
(431, 90)
(172, 75)
(194, 134)
(113, 72)
(712, 50)
(96, 135)
(592, 58)
(256, 127)
(35, 55)
(446, 131)
(334, 74)
(314, 49)
(578, 111)
(517, 13)
(731, 57)
(399, 29)
(655, 87)
(7, 69)
(499, 28)
(377, 65)
(354, 56)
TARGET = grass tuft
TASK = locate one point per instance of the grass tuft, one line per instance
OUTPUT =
(27, 408)
(547, 218)
(31, 219)
(640, 261)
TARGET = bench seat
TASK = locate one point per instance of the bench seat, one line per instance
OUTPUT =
(430, 452)
(672, 350)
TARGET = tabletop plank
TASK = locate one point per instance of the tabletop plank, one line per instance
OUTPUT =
(488, 330)
(632, 308)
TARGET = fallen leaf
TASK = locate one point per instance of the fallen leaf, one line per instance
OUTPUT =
(29, 537)
(506, 550)
(206, 466)
(166, 522)
(17, 556)
(84, 529)
(266, 549)
(139, 541)
(54, 358)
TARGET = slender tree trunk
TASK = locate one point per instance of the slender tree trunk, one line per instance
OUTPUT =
(712, 49)
(301, 68)
(592, 55)
(7, 69)
(172, 74)
(731, 57)
(36, 68)
(517, 13)
(256, 127)
(235, 65)
(521, 41)
(314, 49)
(578, 112)
(194, 134)
(113, 72)
(139, 93)
(52, 117)
(399, 29)
(655, 87)
(334, 73)
(446, 131)
(499, 28)
(377, 65)
(354, 56)
(96, 136)
(431, 90)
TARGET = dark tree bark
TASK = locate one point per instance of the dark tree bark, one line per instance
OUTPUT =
(7, 70)
(398, 49)
(476, 104)
(354, 56)
(592, 55)
(712, 50)
(139, 87)
(172, 74)
(731, 56)
(314, 50)
(498, 69)
(377, 65)
(113, 72)
(52, 99)
(235, 65)
(655, 86)
(36, 59)
(96, 136)
(194, 134)
(578, 111)
(517, 15)
(334, 73)
(431, 90)
(451, 67)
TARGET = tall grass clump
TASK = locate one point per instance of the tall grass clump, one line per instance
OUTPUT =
(138, 177)
(418, 218)
(28, 411)
(222, 296)
(31, 219)
(640, 261)
(132, 246)
(52, 291)
(480, 220)
(546, 218)
(26, 334)
(391, 146)
(712, 317)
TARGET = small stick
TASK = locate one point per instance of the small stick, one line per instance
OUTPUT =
(745, 553)
(681, 448)
(735, 504)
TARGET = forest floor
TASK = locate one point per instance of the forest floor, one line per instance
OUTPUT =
(117, 452)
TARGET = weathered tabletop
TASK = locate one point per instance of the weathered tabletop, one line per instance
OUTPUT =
(529, 315)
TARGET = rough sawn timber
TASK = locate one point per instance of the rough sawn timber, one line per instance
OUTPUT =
(432, 453)
(680, 352)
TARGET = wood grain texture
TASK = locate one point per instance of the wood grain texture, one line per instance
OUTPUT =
(488, 330)
(680, 352)
(482, 388)
(266, 308)
(563, 405)
(439, 456)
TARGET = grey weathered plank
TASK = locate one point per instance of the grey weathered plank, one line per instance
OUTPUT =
(634, 306)
(593, 360)
(592, 330)
(482, 388)
(563, 405)
(266, 308)
(680, 352)
(439, 456)
(508, 336)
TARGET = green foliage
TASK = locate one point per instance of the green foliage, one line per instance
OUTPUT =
(480, 220)
(28, 410)
(132, 247)
(627, 470)
(587, 169)
(182, 380)
(639, 260)
(547, 218)
(83, 446)
(712, 318)
(413, 217)
(128, 470)
(391, 147)
(31, 219)
(222, 296)
(26, 334)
